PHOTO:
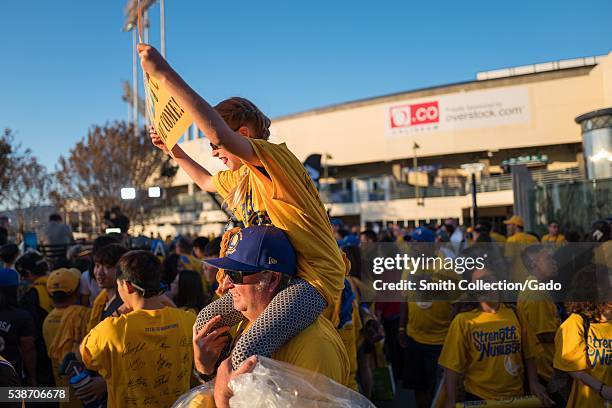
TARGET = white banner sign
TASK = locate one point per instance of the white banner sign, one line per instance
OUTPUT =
(464, 110)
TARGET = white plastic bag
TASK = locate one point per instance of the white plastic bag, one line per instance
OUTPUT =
(275, 384)
(197, 397)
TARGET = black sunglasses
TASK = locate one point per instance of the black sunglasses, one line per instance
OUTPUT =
(237, 277)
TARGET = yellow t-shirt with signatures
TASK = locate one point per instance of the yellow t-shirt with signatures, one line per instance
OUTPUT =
(145, 356)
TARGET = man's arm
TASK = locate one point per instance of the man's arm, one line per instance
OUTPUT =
(204, 115)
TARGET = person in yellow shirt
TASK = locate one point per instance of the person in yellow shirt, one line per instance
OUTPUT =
(423, 329)
(516, 242)
(66, 325)
(184, 249)
(265, 184)
(492, 346)
(262, 263)
(34, 268)
(554, 236)
(540, 310)
(108, 300)
(145, 355)
(582, 348)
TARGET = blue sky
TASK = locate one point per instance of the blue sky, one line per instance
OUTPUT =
(63, 62)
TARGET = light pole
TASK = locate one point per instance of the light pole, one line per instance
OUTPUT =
(472, 169)
(415, 166)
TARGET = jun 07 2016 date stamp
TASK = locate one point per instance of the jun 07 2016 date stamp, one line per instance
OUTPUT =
(34, 394)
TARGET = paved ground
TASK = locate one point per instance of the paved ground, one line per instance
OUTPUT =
(403, 399)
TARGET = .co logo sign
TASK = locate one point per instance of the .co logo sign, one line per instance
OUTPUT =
(416, 114)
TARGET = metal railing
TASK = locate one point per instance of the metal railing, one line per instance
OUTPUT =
(388, 188)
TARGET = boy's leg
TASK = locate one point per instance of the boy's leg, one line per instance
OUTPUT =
(224, 307)
(292, 310)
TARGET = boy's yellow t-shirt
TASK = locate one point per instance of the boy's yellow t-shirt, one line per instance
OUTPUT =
(571, 355)
(486, 348)
(63, 330)
(145, 356)
(428, 322)
(542, 317)
(97, 307)
(290, 201)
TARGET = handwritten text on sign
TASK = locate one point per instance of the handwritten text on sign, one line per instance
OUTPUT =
(170, 120)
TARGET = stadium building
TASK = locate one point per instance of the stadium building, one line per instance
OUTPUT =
(399, 158)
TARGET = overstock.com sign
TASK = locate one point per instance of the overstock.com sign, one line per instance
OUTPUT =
(459, 111)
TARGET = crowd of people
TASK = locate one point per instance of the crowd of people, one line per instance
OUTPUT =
(139, 322)
(54, 321)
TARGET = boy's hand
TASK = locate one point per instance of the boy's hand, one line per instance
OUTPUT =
(152, 62)
(157, 141)
(225, 375)
(208, 344)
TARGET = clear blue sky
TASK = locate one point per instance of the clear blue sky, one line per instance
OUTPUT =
(62, 62)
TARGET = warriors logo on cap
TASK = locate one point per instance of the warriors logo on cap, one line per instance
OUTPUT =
(233, 243)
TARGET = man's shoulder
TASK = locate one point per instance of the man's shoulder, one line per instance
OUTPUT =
(313, 340)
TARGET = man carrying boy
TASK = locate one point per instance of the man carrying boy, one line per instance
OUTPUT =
(145, 356)
(259, 264)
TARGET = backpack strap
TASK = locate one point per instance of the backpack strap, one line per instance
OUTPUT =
(586, 325)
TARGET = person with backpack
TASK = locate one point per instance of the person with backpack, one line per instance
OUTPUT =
(583, 349)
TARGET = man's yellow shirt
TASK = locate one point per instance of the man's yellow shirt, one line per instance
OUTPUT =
(317, 348)
(145, 356)
(428, 322)
(541, 314)
(488, 348)
(571, 355)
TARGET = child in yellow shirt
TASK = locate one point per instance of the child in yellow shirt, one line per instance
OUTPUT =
(265, 185)
(582, 348)
(492, 346)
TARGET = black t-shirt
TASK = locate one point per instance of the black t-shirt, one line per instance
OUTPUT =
(14, 324)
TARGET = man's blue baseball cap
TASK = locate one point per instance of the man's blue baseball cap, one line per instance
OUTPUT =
(422, 234)
(8, 277)
(258, 248)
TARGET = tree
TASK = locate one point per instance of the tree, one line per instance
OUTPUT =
(111, 157)
(6, 141)
(25, 182)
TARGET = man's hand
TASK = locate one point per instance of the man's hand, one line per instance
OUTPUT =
(208, 344)
(539, 391)
(152, 62)
(225, 374)
(93, 391)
